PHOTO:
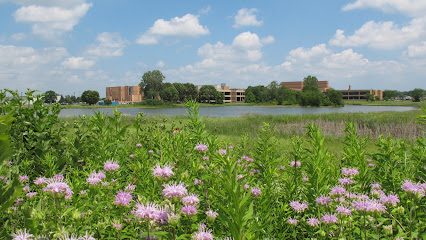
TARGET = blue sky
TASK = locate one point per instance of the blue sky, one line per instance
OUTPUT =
(74, 45)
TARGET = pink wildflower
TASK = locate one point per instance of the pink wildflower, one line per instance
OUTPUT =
(201, 148)
(413, 188)
(23, 178)
(162, 173)
(146, 212)
(292, 221)
(203, 233)
(256, 192)
(123, 198)
(189, 210)
(298, 207)
(111, 166)
(341, 210)
(313, 222)
(390, 199)
(323, 200)
(350, 172)
(329, 218)
(295, 164)
(190, 199)
(174, 191)
(338, 190)
(211, 215)
(40, 180)
(222, 152)
(22, 235)
(346, 181)
(31, 194)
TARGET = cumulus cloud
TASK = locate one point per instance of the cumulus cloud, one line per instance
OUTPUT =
(78, 63)
(417, 50)
(51, 21)
(246, 17)
(382, 35)
(268, 40)
(307, 54)
(18, 36)
(109, 45)
(48, 3)
(160, 64)
(186, 26)
(413, 8)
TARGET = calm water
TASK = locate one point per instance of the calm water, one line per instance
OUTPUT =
(236, 111)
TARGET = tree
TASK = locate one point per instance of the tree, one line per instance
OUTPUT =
(335, 97)
(169, 94)
(208, 93)
(152, 83)
(390, 94)
(417, 94)
(369, 97)
(90, 97)
(311, 98)
(107, 102)
(273, 90)
(191, 92)
(257, 92)
(286, 96)
(250, 98)
(310, 83)
(50, 96)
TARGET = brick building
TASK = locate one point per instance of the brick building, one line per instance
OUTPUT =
(124, 94)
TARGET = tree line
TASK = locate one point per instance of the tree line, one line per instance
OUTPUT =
(310, 95)
(416, 94)
(89, 96)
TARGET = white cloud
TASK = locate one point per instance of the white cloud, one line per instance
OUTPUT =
(160, 64)
(78, 63)
(417, 50)
(246, 17)
(268, 40)
(186, 26)
(48, 3)
(18, 36)
(382, 35)
(109, 45)
(247, 40)
(307, 55)
(51, 21)
(408, 7)
(205, 10)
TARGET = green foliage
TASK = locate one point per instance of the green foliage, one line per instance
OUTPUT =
(151, 84)
(390, 94)
(107, 102)
(90, 97)
(311, 98)
(169, 94)
(250, 98)
(417, 94)
(50, 97)
(335, 97)
(310, 83)
(209, 94)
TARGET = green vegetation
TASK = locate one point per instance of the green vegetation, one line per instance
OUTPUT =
(90, 97)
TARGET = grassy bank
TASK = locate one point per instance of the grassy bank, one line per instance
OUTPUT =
(387, 103)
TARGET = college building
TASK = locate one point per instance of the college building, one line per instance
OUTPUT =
(124, 94)
(232, 95)
(298, 86)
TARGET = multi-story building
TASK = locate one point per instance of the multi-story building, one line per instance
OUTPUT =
(232, 95)
(124, 94)
(352, 94)
(298, 86)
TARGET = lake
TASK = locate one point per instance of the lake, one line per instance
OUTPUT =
(236, 111)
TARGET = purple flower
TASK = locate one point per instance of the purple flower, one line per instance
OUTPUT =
(117, 226)
(298, 207)
(123, 198)
(26, 188)
(162, 216)
(346, 181)
(95, 178)
(350, 172)
(190, 199)
(131, 156)
(82, 193)
(329, 218)
(162, 173)
(281, 167)
(150, 151)
(197, 181)
(130, 187)
(371, 165)
(189, 210)
(31, 194)
(240, 176)
(413, 188)
(295, 164)
(369, 206)
(376, 186)
(323, 200)
(368, 160)
(146, 211)
(230, 147)
(313, 222)
(305, 179)
(59, 176)
(23, 178)
(292, 221)
(174, 190)
(222, 152)
(211, 215)
(341, 210)
(201, 148)
(390, 199)
(138, 145)
(40, 180)
(87, 237)
(57, 187)
(246, 186)
(111, 166)
(338, 190)
(203, 233)
(256, 192)
(22, 235)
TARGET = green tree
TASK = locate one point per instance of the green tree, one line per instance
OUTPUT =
(310, 83)
(417, 94)
(273, 88)
(90, 97)
(207, 94)
(191, 92)
(286, 96)
(335, 97)
(50, 96)
(169, 94)
(257, 92)
(250, 98)
(311, 98)
(369, 97)
(152, 83)
(107, 102)
(390, 94)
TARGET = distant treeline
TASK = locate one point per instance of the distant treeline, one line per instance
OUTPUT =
(416, 94)
(309, 96)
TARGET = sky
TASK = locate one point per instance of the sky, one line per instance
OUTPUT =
(70, 46)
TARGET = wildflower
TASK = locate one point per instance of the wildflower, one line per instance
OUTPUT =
(82, 193)
(105, 184)
(376, 186)
(162, 173)
(298, 207)
(26, 188)
(338, 190)
(329, 218)
(371, 165)
(138, 145)
(201, 148)
(246, 186)
(323, 200)
(197, 181)
(146, 211)
(350, 172)
(162, 216)
(346, 181)
(174, 191)
(203, 233)
(391, 199)
(240, 176)
(305, 179)
(222, 152)
(368, 160)
(206, 158)
(59, 176)
(256, 192)
(230, 147)
(130, 187)
(413, 188)
(190, 199)
(341, 210)
(313, 222)
(211, 215)
(111, 166)
(123, 198)
(131, 156)
(387, 230)
(292, 221)
(150, 151)
(95, 178)
(189, 210)
(57, 187)
(22, 235)
(23, 178)
(31, 194)
(40, 180)
(281, 167)
(369, 206)
(295, 164)
(87, 237)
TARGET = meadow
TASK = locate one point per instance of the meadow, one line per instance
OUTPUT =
(329, 176)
